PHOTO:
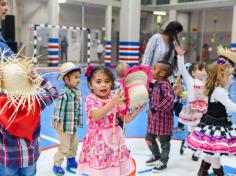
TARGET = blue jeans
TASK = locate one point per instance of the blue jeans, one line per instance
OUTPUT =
(26, 171)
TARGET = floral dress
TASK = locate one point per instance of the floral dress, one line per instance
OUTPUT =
(102, 153)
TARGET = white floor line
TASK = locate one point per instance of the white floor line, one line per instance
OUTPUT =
(49, 138)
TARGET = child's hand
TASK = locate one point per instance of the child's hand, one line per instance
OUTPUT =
(118, 98)
(179, 50)
(34, 76)
(57, 124)
(139, 108)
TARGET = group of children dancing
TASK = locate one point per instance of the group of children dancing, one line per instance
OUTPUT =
(206, 114)
(210, 130)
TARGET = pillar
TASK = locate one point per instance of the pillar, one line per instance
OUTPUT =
(233, 35)
(172, 13)
(129, 31)
(108, 36)
(53, 40)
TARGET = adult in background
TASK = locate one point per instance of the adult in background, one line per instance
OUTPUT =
(161, 47)
(63, 48)
(100, 50)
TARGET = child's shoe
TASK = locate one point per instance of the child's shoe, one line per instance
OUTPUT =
(71, 163)
(152, 161)
(194, 157)
(58, 171)
(160, 166)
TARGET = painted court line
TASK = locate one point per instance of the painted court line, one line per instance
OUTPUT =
(144, 171)
(49, 138)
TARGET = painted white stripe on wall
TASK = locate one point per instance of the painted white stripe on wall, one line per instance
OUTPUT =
(52, 49)
(126, 46)
(127, 51)
(129, 57)
(53, 56)
(129, 61)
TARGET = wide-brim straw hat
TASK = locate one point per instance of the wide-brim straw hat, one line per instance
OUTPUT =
(16, 80)
(226, 52)
(135, 84)
(67, 68)
(19, 107)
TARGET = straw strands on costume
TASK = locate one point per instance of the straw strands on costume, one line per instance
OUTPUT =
(20, 84)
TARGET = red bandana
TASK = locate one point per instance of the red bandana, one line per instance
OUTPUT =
(24, 123)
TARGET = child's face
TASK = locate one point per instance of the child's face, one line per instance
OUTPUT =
(157, 72)
(200, 74)
(73, 80)
(227, 80)
(3, 9)
(101, 85)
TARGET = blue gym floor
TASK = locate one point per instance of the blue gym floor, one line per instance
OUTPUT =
(136, 128)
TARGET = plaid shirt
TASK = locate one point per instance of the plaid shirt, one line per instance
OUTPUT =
(68, 110)
(160, 120)
(20, 152)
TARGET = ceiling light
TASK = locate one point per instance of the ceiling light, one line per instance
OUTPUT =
(162, 13)
(61, 1)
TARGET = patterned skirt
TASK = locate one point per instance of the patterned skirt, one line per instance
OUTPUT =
(213, 138)
(105, 155)
(192, 113)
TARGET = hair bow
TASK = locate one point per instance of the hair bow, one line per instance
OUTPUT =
(221, 60)
(89, 70)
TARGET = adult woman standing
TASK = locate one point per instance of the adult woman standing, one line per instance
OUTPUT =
(161, 46)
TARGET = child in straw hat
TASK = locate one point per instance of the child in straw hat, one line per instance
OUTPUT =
(160, 116)
(227, 54)
(104, 152)
(68, 115)
(23, 95)
(215, 135)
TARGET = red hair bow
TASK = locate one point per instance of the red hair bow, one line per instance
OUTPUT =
(89, 70)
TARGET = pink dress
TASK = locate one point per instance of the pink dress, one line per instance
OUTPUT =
(100, 155)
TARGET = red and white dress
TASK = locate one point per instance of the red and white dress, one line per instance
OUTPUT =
(197, 101)
(101, 155)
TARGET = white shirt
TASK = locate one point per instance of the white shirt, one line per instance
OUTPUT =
(100, 48)
(189, 80)
(155, 51)
(221, 95)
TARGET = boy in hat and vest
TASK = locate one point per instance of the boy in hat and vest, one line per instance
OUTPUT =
(67, 117)
(160, 116)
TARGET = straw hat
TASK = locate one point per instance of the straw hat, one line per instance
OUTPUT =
(226, 52)
(19, 107)
(135, 84)
(66, 68)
